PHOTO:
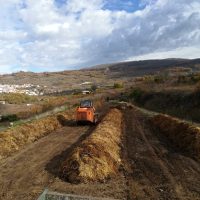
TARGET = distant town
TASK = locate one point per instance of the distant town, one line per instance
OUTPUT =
(37, 90)
(29, 89)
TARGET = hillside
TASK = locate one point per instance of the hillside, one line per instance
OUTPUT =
(102, 75)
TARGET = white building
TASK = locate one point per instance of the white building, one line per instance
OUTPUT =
(3, 102)
(85, 92)
(23, 89)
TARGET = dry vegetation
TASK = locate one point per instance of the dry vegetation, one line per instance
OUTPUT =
(41, 104)
(17, 105)
(46, 104)
(98, 157)
(182, 134)
(16, 138)
(17, 98)
(174, 92)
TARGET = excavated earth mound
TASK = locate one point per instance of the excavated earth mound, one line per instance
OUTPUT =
(182, 134)
(15, 138)
(97, 157)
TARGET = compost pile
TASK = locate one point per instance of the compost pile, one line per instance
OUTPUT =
(182, 134)
(15, 138)
(97, 158)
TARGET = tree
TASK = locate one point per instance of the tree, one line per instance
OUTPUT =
(93, 88)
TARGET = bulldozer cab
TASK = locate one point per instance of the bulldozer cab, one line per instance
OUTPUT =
(86, 112)
(86, 104)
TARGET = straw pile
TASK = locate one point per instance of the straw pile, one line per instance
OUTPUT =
(182, 134)
(98, 157)
(15, 138)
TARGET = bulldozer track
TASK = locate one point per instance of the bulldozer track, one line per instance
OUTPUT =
(157, 170)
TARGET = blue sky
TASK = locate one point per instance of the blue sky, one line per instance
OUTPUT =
(129, 5)
(114, 5)
(49, 35)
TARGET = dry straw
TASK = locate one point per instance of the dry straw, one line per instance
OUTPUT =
(98, 157)
(182, 134)
(15, 138)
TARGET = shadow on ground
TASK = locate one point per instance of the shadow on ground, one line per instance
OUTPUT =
(54, 165)
(72, 123)
(66, 122)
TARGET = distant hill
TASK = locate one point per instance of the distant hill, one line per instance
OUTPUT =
(101, 74)
(139, 68)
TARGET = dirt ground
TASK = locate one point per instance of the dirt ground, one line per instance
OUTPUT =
(156, 170)
(153, 168)
(26, 174)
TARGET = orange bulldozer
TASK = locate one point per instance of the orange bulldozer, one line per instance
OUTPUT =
(86, 113)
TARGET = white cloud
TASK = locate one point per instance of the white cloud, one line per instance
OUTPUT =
(43, 35)
(81, 5)
(185, 52)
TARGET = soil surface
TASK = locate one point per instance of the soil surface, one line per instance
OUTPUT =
(156, 170)
(26, 174)
(153, 169)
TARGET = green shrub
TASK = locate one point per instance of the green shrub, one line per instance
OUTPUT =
(75, 105)
(77, 92)
(148, 79)
(159, 79)
(93, 88)
(118, 85)
(195, 78)
(9, 118)
(136, 94)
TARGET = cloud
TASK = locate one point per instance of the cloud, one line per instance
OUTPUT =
(184, 52)
(55, 35)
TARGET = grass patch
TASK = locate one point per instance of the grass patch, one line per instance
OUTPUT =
(16, 98)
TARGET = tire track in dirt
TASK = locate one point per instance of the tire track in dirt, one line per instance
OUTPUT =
(178, 189)
(28, 172)
(23, 176)
(154, 167)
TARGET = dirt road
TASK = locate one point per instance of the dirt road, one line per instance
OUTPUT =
(155, 169)
(26, 174)
(23, 176)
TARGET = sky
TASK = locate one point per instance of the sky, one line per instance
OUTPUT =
(55, 35)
